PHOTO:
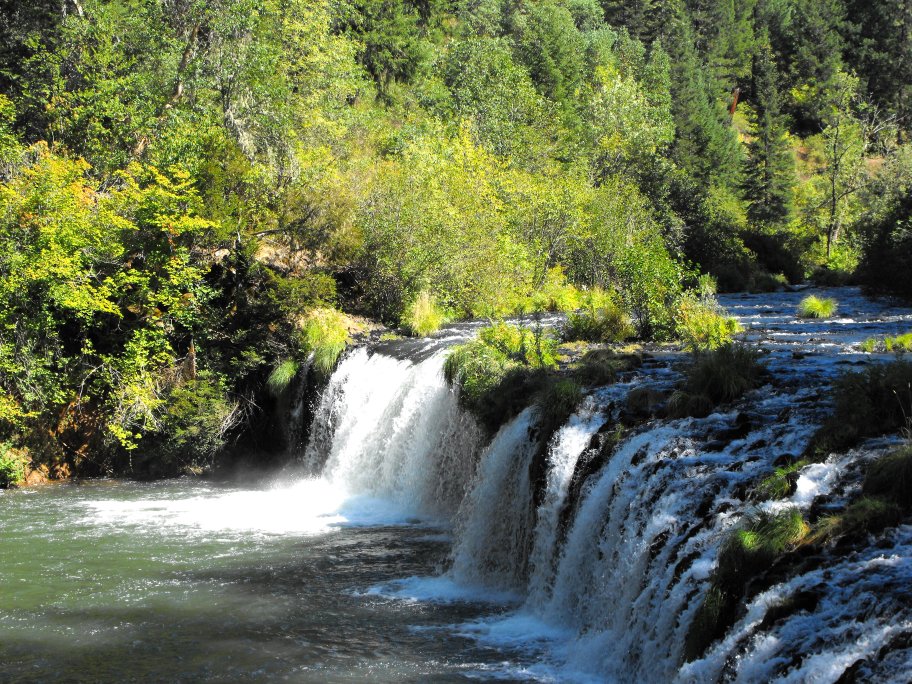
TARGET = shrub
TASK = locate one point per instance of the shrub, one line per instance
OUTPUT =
(868, 403)
(555, 294)
(682, 404)
(702, 324)
(501, 372)
(816, 307)
(725, 374)
(423, 316)
(193, 426)
(325, 335)
(534, 347)
(477, 368)
(12, 468)
(602, 319)
(281, 376)
(601, 366)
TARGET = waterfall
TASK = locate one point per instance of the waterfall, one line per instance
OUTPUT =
(392, 429)
(497, 515)
(606, 533)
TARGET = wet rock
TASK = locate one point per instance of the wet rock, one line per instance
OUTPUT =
(644, 403)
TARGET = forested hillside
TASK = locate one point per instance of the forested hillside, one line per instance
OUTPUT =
(198, 195)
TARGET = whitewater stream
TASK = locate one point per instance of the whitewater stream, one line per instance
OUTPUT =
(406, 546)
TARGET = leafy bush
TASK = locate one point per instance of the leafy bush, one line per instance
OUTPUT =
(702, 324)
(423, 316)
(533, 347)
(194, 423)
(501, 372)
(281, 376)
(816, 307)
(602, 319)
(12, 468)
(556, 294)
(725, 374)
(601, 366)
(325, 335)
(870, 402)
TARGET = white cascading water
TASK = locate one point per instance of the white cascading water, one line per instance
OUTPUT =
(391, 429)
(609, 579)
(496, 518)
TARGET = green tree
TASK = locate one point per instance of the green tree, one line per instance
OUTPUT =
(770, 173)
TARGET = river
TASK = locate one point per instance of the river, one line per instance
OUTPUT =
(406, 547)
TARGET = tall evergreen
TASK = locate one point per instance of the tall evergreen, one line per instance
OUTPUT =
(770, 172)
(705, 144)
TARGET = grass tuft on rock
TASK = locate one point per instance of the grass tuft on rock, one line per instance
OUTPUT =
(325, 334)
(716, 377)
(890, 477)
(871, 402)
(817, 307)
(281, 376)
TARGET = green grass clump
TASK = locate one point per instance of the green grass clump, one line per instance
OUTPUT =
(891, 477)
(868, 403)
(780, 484)
(703, 326)
(423, 317)
(745, 554)
(325, 335)
(12, 467)
(817, 307)
(725, 374)
(281, 376)
(900, 344)
(601, 319)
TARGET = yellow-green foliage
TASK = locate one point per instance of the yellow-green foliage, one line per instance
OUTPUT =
(501, 372)
(601, 318)
(702, 324)
(12, 466)
(281, 376)
(555, 294)
(900, 344)
(817, 307)
(325, 335)
(533, 347)
(423, 316)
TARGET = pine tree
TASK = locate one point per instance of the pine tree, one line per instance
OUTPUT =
(770, 166)
(705, 145)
